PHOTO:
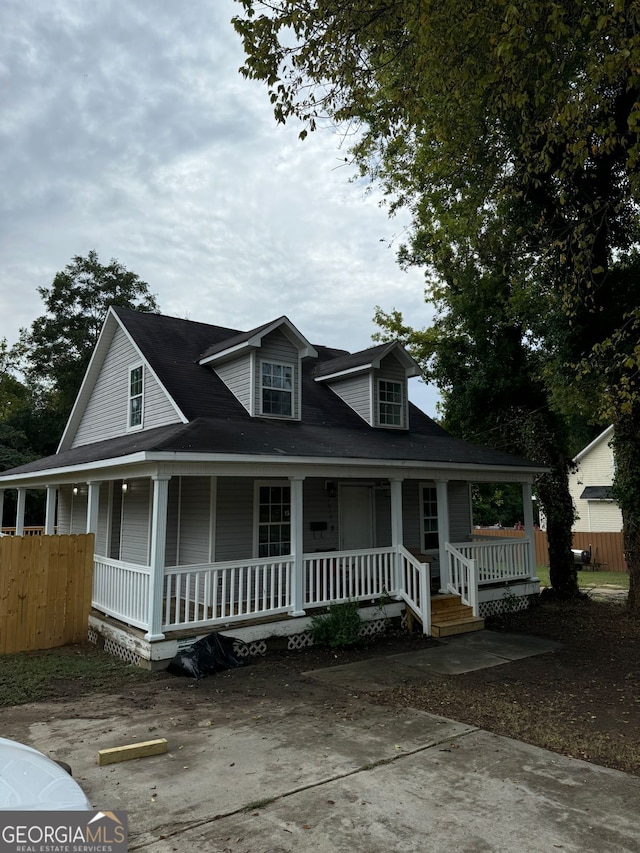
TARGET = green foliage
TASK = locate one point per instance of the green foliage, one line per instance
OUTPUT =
(497, 502)
(339, 627)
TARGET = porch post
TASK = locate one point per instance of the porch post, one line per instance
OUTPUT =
(22, 496)
(397, 536)
(1, 505)
(297, 546)
(527, 510)
(93, 502)
(50, 512)
(156, 561)
(443, 532)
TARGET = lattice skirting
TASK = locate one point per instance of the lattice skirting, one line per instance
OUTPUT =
(368, 629)
(510, 604)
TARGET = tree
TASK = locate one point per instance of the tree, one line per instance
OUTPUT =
(468, 107)
(55, 351)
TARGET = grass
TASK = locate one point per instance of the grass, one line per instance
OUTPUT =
(588, 579)
(60, 673)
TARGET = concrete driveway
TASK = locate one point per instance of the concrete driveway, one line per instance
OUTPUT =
(311, 763)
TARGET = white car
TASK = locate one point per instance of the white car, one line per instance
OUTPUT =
(29, 781)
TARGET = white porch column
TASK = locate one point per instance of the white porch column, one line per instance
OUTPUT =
(22, 496)
(50, 512)
(397, 536)
(297, 545)
(1, 505)
(156, 561)
(93, 503)
(527, 510)
(443, 532)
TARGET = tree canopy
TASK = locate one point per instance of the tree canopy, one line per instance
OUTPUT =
(486, 119)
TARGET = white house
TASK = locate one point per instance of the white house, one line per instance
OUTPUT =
(245, 479)
(590, 487)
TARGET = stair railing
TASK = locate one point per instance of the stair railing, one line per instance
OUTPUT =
(463, 577)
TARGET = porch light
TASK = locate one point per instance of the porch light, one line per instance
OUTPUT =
(125, 487)
(75, 490)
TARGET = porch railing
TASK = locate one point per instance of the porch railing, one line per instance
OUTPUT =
(121, 590)
(498, 560)
(463, 577)
(414, 586)
(226, 592)
(342, 575)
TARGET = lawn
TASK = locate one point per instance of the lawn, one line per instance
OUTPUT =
(588, 579)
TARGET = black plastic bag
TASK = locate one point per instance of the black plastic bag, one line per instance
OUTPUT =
(210, 654)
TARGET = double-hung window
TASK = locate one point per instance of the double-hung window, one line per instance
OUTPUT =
(274, 520)
(390, 403)
(277, 389)
(429, 518)
(136, 388)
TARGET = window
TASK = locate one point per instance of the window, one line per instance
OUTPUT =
(429, 510)
(135, 396)
(274, 520)
(389, 403)
(277, 389)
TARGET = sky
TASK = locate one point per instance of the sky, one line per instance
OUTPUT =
(126, 128)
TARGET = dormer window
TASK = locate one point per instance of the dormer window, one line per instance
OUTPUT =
(136, 388)
(277, 389)
(390, 403)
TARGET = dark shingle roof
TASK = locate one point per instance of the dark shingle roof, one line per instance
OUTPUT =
(219, 424)
(597, 493)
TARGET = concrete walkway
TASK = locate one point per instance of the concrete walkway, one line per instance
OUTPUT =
(315, 766)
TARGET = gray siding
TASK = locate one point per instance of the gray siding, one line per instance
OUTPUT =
(318, 506)
(234, 527)
(382, 503)
(392, 370)
(195, 520)
(105, 415)
(79, 511)
(459, 512)
(411, 514)
(63, 521)
(355, 392)
(173, 520)
(135, 523)
(116, 521)
(236, 375)
(102, 532)
(277, 348)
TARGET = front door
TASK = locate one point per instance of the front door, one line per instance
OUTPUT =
(356, 517)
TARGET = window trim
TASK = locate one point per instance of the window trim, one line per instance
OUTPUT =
(261, 388)
(401, 405)
(422, 486)
(130, 397)
(257, 485)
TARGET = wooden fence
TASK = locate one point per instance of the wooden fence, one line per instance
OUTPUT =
(607, 551)
(45, 591)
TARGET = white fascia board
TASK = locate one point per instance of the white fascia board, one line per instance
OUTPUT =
(608, 432)
(226, 354)
(341, 374)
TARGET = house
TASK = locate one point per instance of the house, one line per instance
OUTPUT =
(245, 479)
(590, 487)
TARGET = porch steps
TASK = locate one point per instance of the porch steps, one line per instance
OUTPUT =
(449, 616)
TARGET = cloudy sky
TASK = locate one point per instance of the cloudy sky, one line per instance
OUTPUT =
(125, 127)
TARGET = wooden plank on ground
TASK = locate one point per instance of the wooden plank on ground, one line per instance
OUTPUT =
(132, 750)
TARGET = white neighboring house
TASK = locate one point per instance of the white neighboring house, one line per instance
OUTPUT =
(590, 487)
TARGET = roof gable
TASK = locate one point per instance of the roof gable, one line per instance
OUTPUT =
(367, 359)
(234, 346)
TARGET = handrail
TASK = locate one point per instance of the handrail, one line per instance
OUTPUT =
(463, 577)
(413, 585)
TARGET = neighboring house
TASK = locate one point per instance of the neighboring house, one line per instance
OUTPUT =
(590, 487)
(245, 479)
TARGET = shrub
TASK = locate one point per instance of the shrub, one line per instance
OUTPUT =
(339, 627)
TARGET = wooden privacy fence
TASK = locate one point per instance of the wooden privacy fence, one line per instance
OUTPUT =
(45, 591)
(607, 551)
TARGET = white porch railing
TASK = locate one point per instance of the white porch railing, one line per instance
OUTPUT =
(342, 575)
(201, 596)
(463, 577)
(414, 586)
(498, 560)
(121, 590)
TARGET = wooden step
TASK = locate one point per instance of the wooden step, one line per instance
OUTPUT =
(463, 626)
(457, 614)
(443, 602)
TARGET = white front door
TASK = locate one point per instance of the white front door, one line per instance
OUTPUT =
(356, 517)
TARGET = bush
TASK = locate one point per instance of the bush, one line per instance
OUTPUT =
(339, 627)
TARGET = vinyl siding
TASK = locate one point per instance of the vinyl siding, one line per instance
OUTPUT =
(116, 521)
(318, 506)
(459, 512)
(236, 375)
(106, 412)
(136, 505)
(173, 520)
(79, 511)
(195, 520)
(63, 520)
(382, 508)
(234, 526)
(596, 468)
(277, 348)
(391, 370)
(355, 392)
(411, 514)
(102, 532)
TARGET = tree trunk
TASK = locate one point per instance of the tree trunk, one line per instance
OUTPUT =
(626, 443)
(554, 495)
